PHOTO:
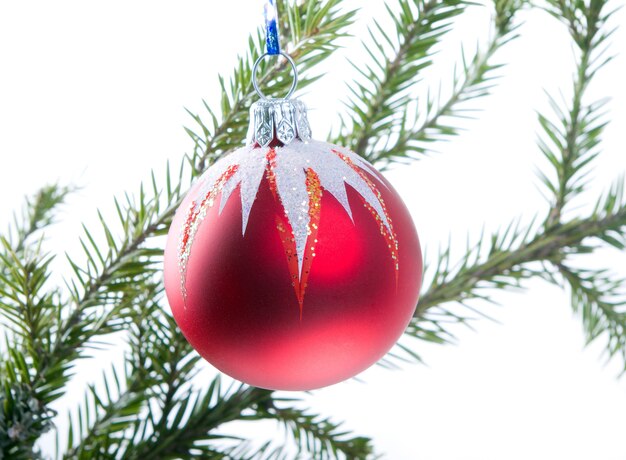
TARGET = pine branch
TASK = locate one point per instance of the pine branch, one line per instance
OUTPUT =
(475, 81)
(600, 299)
(396, 64)
(319, 436)
(105, 419)
(400, 138)
(508, 262)
(28, 310)
(571, 135)
(24, 303)
(23, 273)
(200, 413)
(37, 214)
(513, 256)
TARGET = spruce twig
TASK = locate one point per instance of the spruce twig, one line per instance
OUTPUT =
(514, 255)
(385, 132)
(395, 66)
(474, 81)
(571, 135)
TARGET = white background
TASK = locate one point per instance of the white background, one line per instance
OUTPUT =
(92, 93)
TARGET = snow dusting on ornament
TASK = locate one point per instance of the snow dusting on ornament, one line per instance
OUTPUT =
(298, 174)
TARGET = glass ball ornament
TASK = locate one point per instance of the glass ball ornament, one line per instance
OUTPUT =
(292, 264)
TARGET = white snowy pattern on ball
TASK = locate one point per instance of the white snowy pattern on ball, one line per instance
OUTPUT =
(291, 164)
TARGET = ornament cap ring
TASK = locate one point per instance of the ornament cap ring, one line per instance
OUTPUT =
(255, 69)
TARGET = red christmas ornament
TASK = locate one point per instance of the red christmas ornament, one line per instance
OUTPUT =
(292, 264)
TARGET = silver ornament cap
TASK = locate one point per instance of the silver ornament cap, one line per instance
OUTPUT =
(278, 121)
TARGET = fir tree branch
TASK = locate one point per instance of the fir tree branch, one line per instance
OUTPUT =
(23, 273)
(245, 451)
(475, 81)
(314, 435)
(200, 413)
(600, 299)
(571, 135)
(571, 144)
(104, 420)
(165, 364)
(518, 254)
(318, 436)
(514, 255)
(25, 304)
(506, 261)
(399, 137)
(28, 309)
(66, 331)
(21, 420)
(37, 214)
(394, 67)
(158, 368)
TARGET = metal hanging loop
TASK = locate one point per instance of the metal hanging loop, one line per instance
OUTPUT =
(277, 121)
(294, 69)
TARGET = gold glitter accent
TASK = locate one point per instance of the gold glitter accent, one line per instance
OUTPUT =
(314, 191)
(195, 215)
(390, 236)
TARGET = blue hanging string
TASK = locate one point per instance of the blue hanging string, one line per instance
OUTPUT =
(271, 28)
